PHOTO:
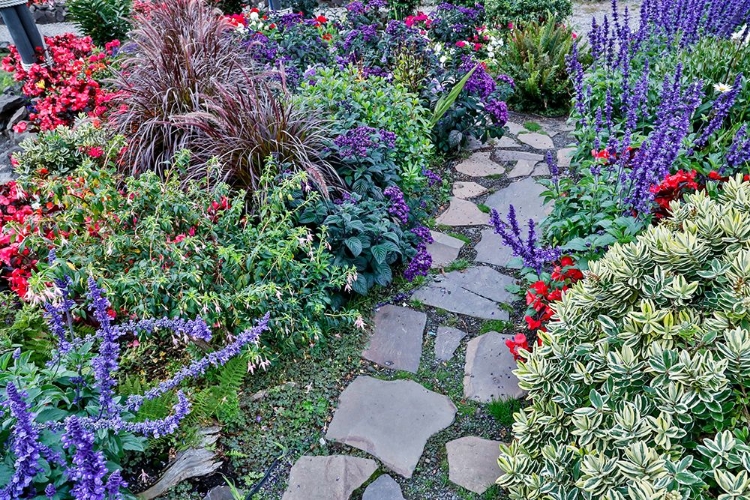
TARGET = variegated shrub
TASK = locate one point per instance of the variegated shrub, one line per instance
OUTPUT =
(639, 389)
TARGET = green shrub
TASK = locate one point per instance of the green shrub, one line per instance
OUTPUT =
(639, 388)
(351, 101)
(504, 12)
(162, 248)
(102, 20)
(535, 57)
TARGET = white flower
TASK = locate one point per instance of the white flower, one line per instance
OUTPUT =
(254, 16)
(443, 59)
(722, 87)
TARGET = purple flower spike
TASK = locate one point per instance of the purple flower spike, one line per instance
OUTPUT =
(24, 445)
(510, 232)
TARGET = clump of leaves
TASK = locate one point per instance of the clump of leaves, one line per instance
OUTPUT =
(102, 20)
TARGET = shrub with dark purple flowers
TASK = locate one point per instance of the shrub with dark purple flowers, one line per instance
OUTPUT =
(66, 429)
(454, 23)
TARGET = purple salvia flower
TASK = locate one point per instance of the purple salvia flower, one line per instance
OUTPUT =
(106, 362)
(24, 444)
(554, 169)
(89, 466)
(722, 106)
(739, 152)
(510, 233)
(115, 482)
(50, 491)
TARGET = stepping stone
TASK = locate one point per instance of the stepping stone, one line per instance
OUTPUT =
(488, 374)
(492, 250)
(462, 213)
(474, 292)
(515, 128)
(466, 190)
(507, 142)
(479, 165)
(383, 488)
(564, 156)
(503, 155)
(444, 249)
(447, 341)
(537, 140)
(473, 144)
(396, 342)
(525, 196)
(390, 420)
(541, 169)
(472, 463)
(328, 478)
(523, 168)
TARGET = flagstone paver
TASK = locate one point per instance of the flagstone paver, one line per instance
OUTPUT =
(472, 463)
(523, 168)
(541, 169)
(564, 156)
(492, 250)
(515, 128)
(467, 189)
(507, 142)
(447, 341)
(488, 374)
(444, 249)
(480, 164)
(396, 341)
(462, 213)
(537, 140)
(328, 478)
(525, 196)
(476, 292)
(503, 155)
(383, 488)
(390, 420)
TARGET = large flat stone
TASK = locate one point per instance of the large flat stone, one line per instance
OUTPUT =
(541, 169)
(475, 292)
(447, 341)
(525, 196)
(492, 250)
(466, 190)
(503, 155)
(396, 342)
(462, 213)
(444, 249)
(479, 165)
(507, 142)
(537, 140)
(328, 478)
(390, 420)
(472, 463)
(488, 374)
(383, 488)
(515, 128)
(564, 156)
(523, 168)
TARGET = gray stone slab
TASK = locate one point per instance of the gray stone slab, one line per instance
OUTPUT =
(390, 420)
(492, 250)
(396, 341)
(475, 292)
(564, 156)
(473, 144)
(488, 374)
(507, 142)
(541, 170)
(472, 463)
(523, 168)
(383, 488)
(508, 155)
(467, 189)
(444, 249)
(525, 196)
(221, 492)
(537, 140)
(447, 341)
(328, 478)
(514, 128)
(479, 164)
(463, 213)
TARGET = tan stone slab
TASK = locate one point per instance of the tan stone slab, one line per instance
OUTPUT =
(463, 213)
(479, 164)
(537, 140)
(488, 374)
(467, 189)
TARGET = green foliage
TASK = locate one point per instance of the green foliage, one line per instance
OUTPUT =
(23, 325)
(162, 248)
(102, 20)
(352, 101)
(230, 6)
(534, 55)
(399, 9)
(504, 12)
(638, 390)
(446, 101)
(503, 410)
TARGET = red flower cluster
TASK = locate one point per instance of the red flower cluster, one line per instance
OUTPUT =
(64, 84)
(539, 297)
(518, 342)
(421, 19)
(672, 188)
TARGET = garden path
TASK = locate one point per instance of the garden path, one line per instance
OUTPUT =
(392, 420)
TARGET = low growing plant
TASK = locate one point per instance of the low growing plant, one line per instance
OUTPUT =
(512, 12)
(102, 20)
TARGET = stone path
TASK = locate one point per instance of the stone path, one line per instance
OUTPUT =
(392, 421)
